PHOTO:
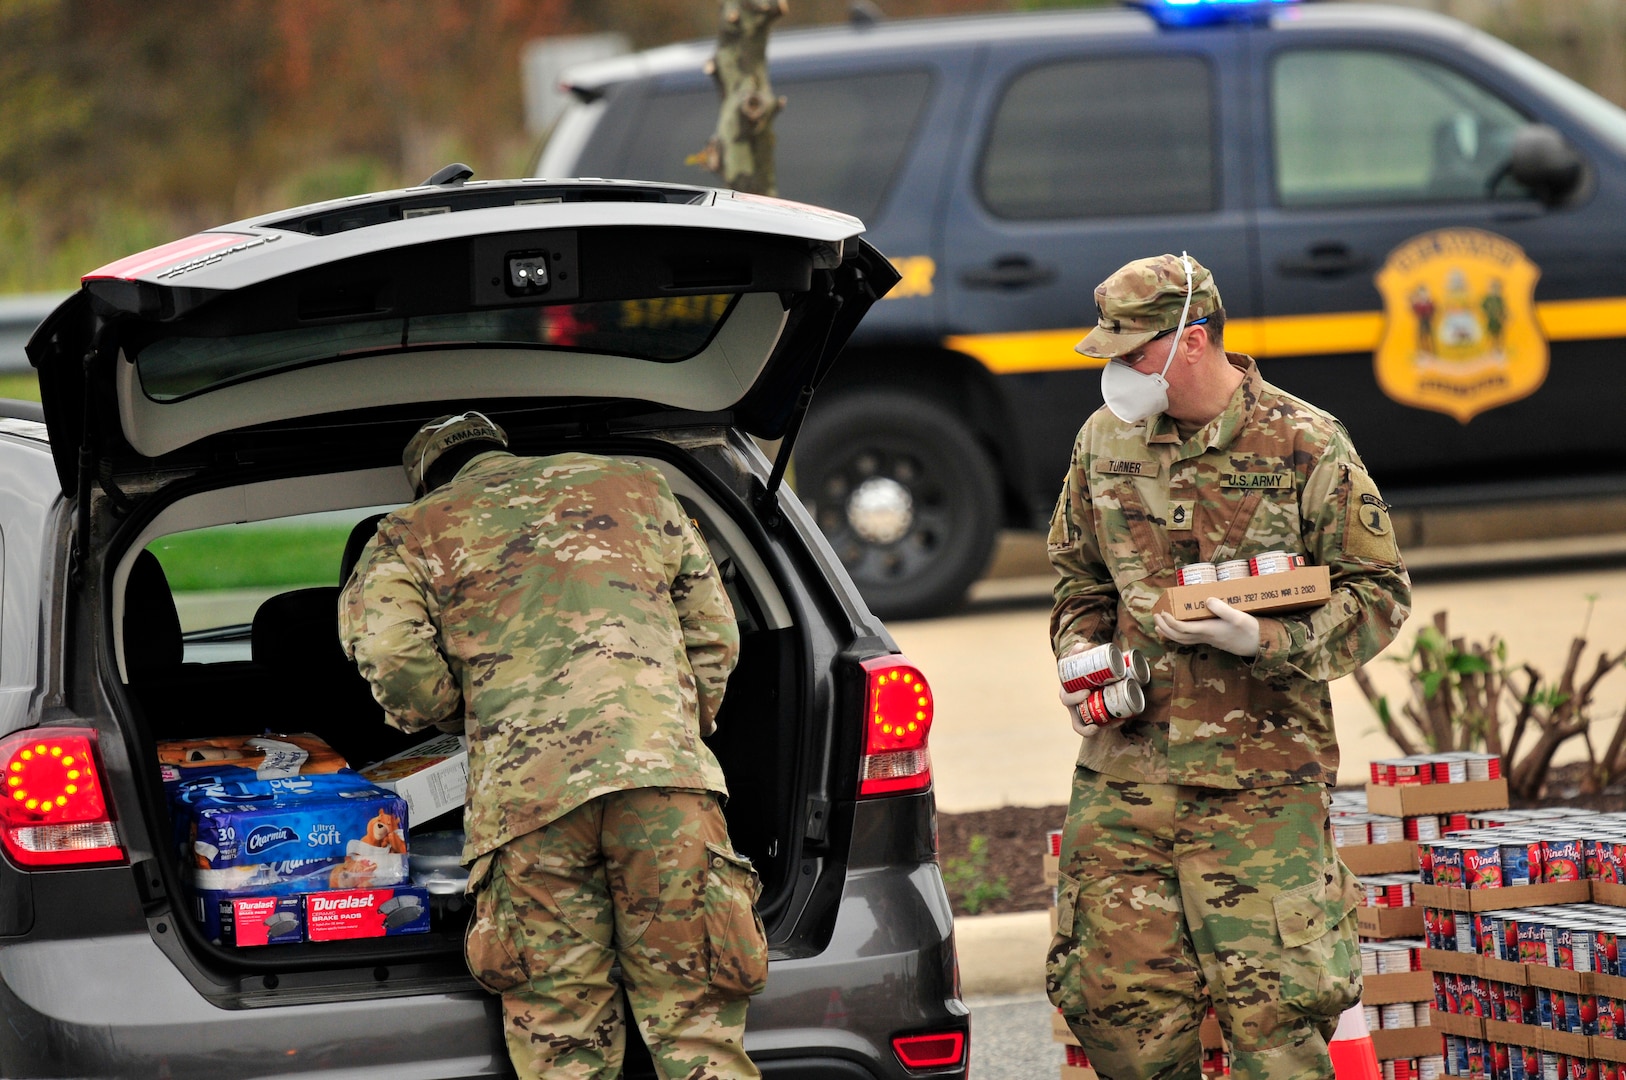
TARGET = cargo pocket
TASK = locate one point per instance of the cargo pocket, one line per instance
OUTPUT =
(1320, 962)
(488, 945)
(736, 946)
(1061, 980)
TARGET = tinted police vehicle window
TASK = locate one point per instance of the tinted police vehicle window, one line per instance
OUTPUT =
(1103, 137)
(1364, 126)
(839, 141)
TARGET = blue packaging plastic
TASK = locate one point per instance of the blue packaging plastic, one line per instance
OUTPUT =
(325, 839)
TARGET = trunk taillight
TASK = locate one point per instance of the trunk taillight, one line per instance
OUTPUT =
(936, 1051)
(897, 719)
(53, 811)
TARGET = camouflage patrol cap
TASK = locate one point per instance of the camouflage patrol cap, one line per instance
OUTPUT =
(1142, 300)
(440, 435)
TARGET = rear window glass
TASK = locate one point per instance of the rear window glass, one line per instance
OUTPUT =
(661, 329)
(838, 143)
(219, 576)
(1102, 137)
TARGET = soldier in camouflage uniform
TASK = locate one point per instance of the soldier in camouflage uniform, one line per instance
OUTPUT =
(565, 614)
(1197, 862)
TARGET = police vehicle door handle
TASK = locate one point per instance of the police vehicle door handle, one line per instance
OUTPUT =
(1325, 260)
(1009, 272)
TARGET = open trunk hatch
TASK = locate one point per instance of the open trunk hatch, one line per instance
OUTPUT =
(681, 299)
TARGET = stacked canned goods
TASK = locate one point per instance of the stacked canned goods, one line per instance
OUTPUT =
(1269, 562)
(1455, 767)
(1115, 679)
(1505, 850)
(1570, 937)
(1538, 850)
(1389, 890)
(1393, 957)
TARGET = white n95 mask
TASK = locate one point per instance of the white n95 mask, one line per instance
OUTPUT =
(1133, 396)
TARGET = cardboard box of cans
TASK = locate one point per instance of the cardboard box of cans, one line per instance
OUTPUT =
(1436, 784)
(1290, 590)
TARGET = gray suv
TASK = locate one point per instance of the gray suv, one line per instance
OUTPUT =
(223, 414)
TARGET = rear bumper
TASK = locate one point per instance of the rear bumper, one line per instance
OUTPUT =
(116, 1006)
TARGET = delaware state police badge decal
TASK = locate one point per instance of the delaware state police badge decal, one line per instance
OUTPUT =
(1460, 334)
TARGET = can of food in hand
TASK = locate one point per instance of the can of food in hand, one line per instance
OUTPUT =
(1230, 571)
(1115, 701)
(1197, 573)
(1270, 562)
(1092, 667)
(1139, 668)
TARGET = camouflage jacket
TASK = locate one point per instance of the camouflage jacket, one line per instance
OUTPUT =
(566, 607)
(1270, 473)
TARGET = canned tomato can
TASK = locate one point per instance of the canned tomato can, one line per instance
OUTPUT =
(1562, 860)
(1114, 701)
(1197, 573)
(1091, 668)
(1532, 940)
(1270, 562)
(1517, 865)
(1445, 862)
(1482, 866)
(1232, 570)
(1138, 667)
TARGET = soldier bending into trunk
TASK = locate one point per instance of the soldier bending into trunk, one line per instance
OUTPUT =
(563, 612)
(1197, 862)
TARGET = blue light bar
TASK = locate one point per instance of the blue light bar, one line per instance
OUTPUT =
(1209, 12)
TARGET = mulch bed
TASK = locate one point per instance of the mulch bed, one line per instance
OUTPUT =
(1016, 838)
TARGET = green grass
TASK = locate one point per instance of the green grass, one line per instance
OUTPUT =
(20, 385)
(248, 557)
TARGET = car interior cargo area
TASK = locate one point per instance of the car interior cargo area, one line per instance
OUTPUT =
(302, 831)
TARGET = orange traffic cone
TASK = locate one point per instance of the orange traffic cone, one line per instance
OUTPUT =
(1353, 1057)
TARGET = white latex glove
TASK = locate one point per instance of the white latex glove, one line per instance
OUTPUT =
(1074, 698)
(1231, 630)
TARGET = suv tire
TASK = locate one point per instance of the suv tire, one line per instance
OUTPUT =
(906, 495)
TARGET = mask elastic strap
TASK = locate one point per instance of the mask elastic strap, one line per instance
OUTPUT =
(1185, 260)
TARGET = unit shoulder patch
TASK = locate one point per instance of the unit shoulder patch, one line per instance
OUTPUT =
(1368, 533)
(1126, 467)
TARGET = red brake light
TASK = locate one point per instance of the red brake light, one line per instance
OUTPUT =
(930, 1051)
(52, 810)
(897, 719)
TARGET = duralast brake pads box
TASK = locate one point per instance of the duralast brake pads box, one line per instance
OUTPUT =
(1291, 590)
(251, 920)
(366, 913)
(432, 778)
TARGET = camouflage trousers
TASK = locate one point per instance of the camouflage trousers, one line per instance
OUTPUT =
(647, 878)
(1173, 898)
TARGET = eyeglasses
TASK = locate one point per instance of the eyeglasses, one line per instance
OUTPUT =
(1139, 354)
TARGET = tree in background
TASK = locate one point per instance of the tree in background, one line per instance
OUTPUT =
(741, 150)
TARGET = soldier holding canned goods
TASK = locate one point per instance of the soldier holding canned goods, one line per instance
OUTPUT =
(1197, 860)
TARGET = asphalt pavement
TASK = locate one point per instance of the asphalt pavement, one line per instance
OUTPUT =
(1010, 1038)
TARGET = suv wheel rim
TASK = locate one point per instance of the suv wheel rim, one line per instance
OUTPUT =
(881, 510)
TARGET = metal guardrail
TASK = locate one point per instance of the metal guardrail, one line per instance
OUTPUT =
(19, 315)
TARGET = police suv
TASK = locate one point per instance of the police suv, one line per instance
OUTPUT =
(222, 425)
(1412, 225)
